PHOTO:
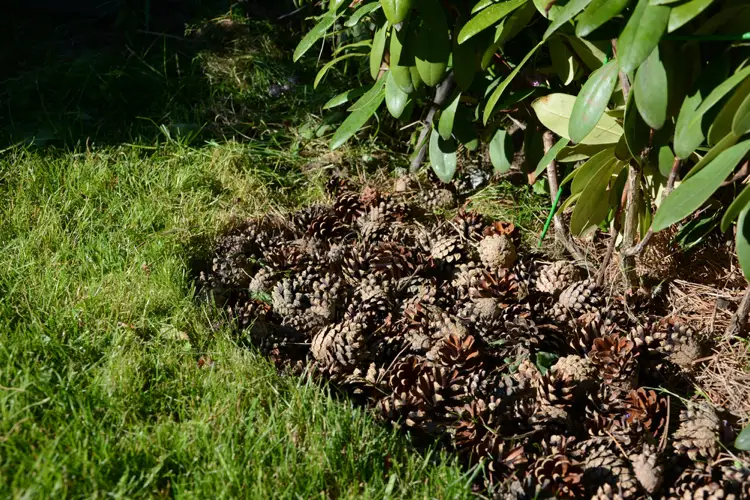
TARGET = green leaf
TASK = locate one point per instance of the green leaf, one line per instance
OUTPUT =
(378, 49)
(362, 110)
(579, 152)
(591, 208)
(743, 439)
(400, 71)
(693, 192)
(737, 206)
(464, 63)
(395, 98)
(565, 14)
(689, 129)
(743, 255)
(442, 157)
(315, 34)
(547, 8)
(637, 132)
(591, 55)
(554, 111)
(447, 117)
(586, 171)
(741, 122)
(550, 156)
(396, 10)
(563, 62)
(722, 124)
(334, 5)
(322, 73)
(498, 92)
(501, 151)
(641, 35)
(598, 13)
(592, 100)
(488, 17)
(651, 89)
(433, 47)
(685, 12)
(345, 97)
(727, 142)
(360, 13)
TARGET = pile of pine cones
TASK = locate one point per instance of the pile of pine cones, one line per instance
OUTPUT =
(522, 365)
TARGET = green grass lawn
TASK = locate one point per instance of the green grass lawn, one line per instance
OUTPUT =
(105, 208)
(101, 393)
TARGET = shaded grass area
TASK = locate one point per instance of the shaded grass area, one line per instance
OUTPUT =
(101, 391)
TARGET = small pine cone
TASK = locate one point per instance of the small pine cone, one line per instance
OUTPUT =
(616, 360)
(681, 346)
(559, 476)
(698, 432)
(337, 184)
(556, 277)
(347, 207)
(587, 327)
(456, 353)
(438, 199)
(468, 225)
(287, 298)
(577, 299)
(692, 481)
(403, 376)
(355, 264)
(448, 249)
(326, 227)
(497, 252)
(284, 257)
(301, 219)
(340, 347)
(648, 409)
(373, 231)
(554, 389)
(647, 468)
(500, 284)
(392, 260)
(444, 326)
(610, 474)
(574, 368)
(263, 281)
(502, 456)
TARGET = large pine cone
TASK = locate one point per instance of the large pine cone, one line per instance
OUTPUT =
(615, 358)
(341, 347)
(556, 277)
(698, 432)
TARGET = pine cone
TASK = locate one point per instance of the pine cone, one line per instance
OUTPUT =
(448, 249)
(616, 360)
(392, 260)
(497, 252)
(326, 227)
(263, 281)
(468, 225)
(456, 353)
(648, 469)
(607, 472)
(438, 199)
(577, 299)
(347, 207)
(559, 476)
(556, 277)
(698, 432)
(648, 409)
(340, 347)
(574, 368)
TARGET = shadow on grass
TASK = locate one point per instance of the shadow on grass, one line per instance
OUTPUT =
(176, 71)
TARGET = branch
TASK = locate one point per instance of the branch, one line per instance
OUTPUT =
(561, 232)
(442, 92)
(607, 257)
(739, 318)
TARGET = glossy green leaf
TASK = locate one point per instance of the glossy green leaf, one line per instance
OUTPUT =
(547, 8)
(651, 90)
(395, 98)
(554, 111)
(362, 110)
(442, 157)
(322, 73)
(683, 13)
(641, 34)
(637, 132)
(586, 171)
(722, 124)
(447, 117)
(378, 49)
(738, 205)
(565, 14)
(743, 439)
(693, 192)
(399, 62)
(360, 13)
(593, 205)
(665, 159)
(501, 151)
(664, 2)
(334, 5)
(550, 156)
(500, 89)
(721, 90)
(579, 152)
(591, 101)
(743, 255)
(488, 17)
(741, 122)
(598, 13)
(563, 61)
(433, 46)
(315, 34)
(396, 10)
(345, 97)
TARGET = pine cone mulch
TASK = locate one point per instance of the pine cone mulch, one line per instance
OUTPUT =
(444, 326)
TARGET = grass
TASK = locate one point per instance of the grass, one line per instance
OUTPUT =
(120, 159)
(100, 390)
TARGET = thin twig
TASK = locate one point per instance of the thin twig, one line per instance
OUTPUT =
(443, 91)
(607, 257)
(739, 318)
(561, 232)
(741, 174)
(631, 224)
